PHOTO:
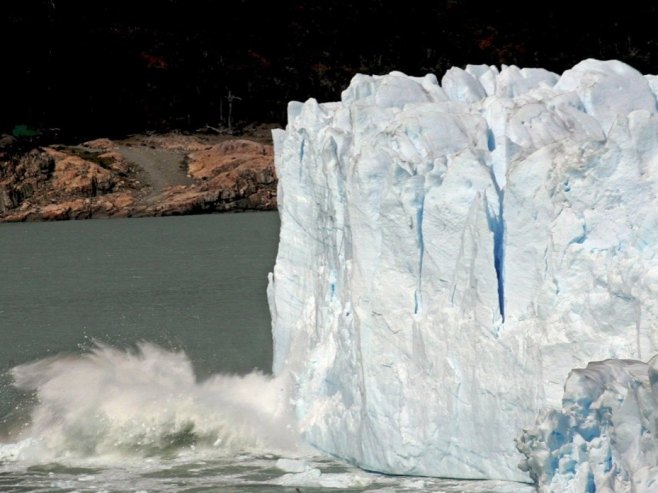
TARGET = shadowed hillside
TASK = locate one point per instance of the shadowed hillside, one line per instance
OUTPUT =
(107, 68)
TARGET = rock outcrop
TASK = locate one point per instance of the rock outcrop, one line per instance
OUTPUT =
(103, 178)
(231, 175)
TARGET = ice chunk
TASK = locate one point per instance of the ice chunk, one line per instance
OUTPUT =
(608, 89)
(486, 76)
(604, 437)
(514, 82)
(448, 255)
(314, 478)
(460, 85)
(10, 452)
(393, 91)
(653, 83)
(292, 465)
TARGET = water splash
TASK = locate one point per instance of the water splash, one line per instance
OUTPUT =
(146, 402)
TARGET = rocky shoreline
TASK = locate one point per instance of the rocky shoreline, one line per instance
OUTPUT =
(144, 175)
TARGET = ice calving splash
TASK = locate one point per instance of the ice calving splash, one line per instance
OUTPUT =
(449, 252)
(138, 420)
(114, 403)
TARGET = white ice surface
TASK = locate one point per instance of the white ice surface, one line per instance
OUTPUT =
(449, 253)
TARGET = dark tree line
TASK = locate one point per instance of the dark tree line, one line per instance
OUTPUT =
(111, 67)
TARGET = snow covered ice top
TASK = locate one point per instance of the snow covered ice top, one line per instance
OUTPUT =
(449, 252)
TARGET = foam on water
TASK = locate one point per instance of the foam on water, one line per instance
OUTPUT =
(112, 403)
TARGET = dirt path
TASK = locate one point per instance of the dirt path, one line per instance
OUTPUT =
(162, 168)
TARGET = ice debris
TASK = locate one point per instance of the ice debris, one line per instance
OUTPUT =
(603, 439)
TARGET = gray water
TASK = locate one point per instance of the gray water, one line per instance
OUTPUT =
(192, 288)
(195, 283)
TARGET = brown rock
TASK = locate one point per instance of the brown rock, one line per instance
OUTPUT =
(100, 144)
(18, 216)
(55, 212)
(181, 200)
(122, 200)
(34, 164)
(6, 199)
(115, 162)
(229, 155)
(74, 175)
(111, 156)
(58, 183)
(114, 205)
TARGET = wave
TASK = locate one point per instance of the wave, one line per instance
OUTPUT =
(146, 401)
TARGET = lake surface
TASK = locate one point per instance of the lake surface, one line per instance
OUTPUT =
(137, 327)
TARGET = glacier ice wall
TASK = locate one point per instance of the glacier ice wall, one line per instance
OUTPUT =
(604, 436)
(448, 252)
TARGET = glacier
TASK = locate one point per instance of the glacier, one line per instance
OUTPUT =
(450, 251)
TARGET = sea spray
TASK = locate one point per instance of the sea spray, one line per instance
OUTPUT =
(147, 401)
